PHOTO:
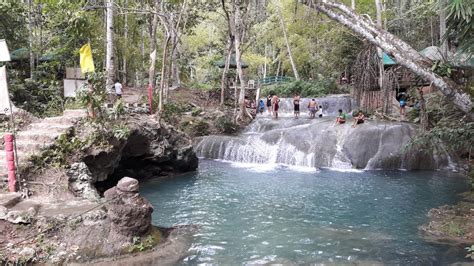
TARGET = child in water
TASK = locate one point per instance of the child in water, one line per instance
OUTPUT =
(261, 106)
(320, 111)
(341, 118)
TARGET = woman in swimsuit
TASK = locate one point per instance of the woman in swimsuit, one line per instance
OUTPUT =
(276, 105)
(269, 104)
(296, 105)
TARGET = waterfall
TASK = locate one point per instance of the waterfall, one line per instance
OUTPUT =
(319, 143)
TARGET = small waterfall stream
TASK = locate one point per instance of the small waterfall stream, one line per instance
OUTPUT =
(319, 143)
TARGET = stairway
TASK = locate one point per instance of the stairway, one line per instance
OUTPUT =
(40, 135)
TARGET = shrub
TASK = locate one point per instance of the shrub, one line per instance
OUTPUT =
(226, 125)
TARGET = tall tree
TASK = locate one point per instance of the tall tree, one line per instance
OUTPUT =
(403, 53)
(109, 61)
(125, 37)
(230, 45)
(30, 37)
(442, 28)
(283, 27)
(153, 26)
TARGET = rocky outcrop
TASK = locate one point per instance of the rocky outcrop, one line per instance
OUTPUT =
(129, 213)
(81, 182)
(321, 143)
(152, 149)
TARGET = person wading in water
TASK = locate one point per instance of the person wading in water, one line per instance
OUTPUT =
(269, 104)
(276, 105)
(312, 106)
(296, 105)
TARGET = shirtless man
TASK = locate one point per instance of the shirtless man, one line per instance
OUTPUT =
(312, 106)
(275, 105)
(296, 105)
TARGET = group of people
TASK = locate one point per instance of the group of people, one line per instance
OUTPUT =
(273, 105)
(342, 117)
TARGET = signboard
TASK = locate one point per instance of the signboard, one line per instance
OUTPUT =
(4, 97)
(74, 73)
(4, 53)
(72, 86)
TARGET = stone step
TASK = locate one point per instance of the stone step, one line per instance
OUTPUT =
(75, 113)
(49, 126)
(60, 120)
(40, 136)
(8, 200)
(22, 212)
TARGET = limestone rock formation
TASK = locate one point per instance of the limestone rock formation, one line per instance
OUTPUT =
(151, 150)
(129, 213)
(81, 182)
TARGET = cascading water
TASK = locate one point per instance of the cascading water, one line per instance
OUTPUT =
(319, 143)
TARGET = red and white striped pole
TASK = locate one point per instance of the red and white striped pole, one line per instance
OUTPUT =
(10, 155)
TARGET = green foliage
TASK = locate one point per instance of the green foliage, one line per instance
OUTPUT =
(304, 88)
(56, 156)
(225, 125)
(139, 245)
(94, 95)
(470, 252)
(120, 131)
(196, 128)
(12, 23)
(453, 229)
(442, 69)
(173, 111)
(459, 20)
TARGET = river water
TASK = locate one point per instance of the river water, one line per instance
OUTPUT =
(257, 214)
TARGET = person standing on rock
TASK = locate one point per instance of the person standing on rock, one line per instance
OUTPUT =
(118, 89)
(269, 104)
(276, 105)
(296, 105)
(312, 106)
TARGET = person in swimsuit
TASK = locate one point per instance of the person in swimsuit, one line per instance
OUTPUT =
(312, 106)
(296, 105)
(359, 119)
(276, 105)
(341, 118)
(269, 104)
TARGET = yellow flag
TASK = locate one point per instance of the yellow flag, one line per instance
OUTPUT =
(87, 64)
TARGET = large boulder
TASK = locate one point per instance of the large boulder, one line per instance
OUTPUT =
(129, 213)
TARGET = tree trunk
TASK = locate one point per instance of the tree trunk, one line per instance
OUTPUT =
(425, 124)
(30, 37)
(125, 41)
(442, 29)
(164, 79)
(353, 4)
(403, 53)
(283, 27)
(224, 84)
(384, 89)
(152, 69)
(109, 56)
(265, 63)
